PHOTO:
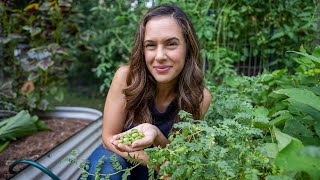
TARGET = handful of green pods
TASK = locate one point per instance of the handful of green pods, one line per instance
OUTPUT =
(130, 137)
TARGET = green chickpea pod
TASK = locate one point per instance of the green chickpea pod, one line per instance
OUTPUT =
(130, 137)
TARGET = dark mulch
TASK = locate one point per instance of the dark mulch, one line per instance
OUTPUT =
(39, 143)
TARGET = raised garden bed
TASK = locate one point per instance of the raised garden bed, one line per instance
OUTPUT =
(73, 128)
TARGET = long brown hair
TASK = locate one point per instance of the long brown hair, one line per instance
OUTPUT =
(142, 89)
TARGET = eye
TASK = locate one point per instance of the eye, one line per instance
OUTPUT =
(149, 46)
(172, 44)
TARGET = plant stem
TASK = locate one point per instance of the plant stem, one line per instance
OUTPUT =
(4, 146)
(121, 41)
(112, 173)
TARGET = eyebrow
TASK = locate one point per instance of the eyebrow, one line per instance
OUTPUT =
(170, 39)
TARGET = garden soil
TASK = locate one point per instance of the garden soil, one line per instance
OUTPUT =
(39, 143)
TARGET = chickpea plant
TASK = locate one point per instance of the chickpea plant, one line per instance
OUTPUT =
(200, 150)
(84, 166)
(126, 139)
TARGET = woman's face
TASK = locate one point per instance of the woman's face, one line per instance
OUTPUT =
(164, 49)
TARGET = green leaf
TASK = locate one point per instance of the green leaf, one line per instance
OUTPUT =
(261, 112)
(317, 128)
(45, 64)
(20, 125)
(280, 119)
(125, 174)
(41, 126)
(269, 149)
(4, 145)
(278, 34)
(282, 138)
(296, 129)
(261, 119)
(32, 30)
(316, 51)
(301, 109)
(279, 177)
(295, 157)
(115, 163)
(311, 57)
(59, 95)
(233, 81)
(301, 95)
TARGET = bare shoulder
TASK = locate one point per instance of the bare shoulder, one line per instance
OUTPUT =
(121, 73)
(206, 95)
(206, 101)
(120, 77)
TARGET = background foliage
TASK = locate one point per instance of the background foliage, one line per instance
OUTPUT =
(228, 32)
(35, 55)
(262, 127)
(95, 37)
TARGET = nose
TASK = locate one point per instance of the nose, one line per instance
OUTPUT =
(160, 54)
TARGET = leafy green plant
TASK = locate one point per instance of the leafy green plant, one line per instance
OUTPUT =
(34, 53)
(20, 125)
(263, 127)
(203, 150)
(107, 36)
(297, 115)
(230, 32)
(84, 166)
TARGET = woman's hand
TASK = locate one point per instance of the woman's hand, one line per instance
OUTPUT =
(150, 133)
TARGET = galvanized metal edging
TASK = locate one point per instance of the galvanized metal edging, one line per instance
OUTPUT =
(85, 141)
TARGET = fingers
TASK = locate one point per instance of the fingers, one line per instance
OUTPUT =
(142, 143)
(148, 137)
(125, 148)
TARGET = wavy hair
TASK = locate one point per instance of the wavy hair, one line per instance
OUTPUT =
(141, 89)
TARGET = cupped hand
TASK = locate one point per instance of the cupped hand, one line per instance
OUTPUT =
(150, 133)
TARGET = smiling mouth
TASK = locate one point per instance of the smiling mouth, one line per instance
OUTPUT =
(162, 68)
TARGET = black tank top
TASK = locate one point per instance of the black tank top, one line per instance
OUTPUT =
(164, 120)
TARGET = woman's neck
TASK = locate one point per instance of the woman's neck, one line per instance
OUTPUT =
(165, 95)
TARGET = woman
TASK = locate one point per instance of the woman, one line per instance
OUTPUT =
(163, 76)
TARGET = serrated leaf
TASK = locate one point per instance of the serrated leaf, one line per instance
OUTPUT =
(115, 163)
(125, 174)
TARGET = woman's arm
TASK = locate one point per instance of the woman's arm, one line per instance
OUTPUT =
(115, 113)
(114, 119)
